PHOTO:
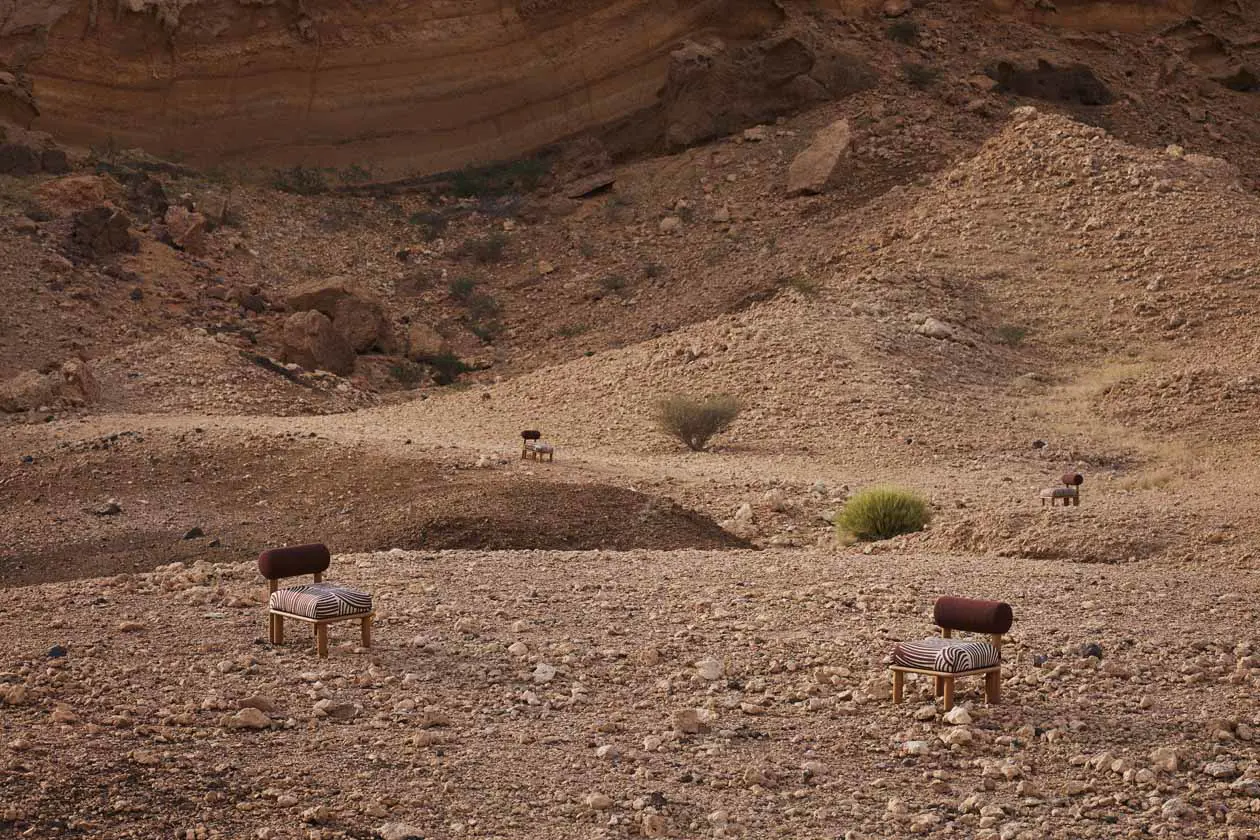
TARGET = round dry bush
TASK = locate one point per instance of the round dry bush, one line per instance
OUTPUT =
(878, 513)
(693, 421)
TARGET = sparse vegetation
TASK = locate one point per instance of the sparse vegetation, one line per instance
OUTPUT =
(573, 330)
(878, 513)
(446, 367)
(1011, 335)
(300, 180)
(462, 288)
(406, 373)
(485, 249)
(497, 179)
(653, 270)
(920, 75)
(586, 249)
(694, 421)
(432, 223)
(356, 174)
(615, 283)
(903, 31)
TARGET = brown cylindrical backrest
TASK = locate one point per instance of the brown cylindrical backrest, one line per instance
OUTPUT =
(973, 616)
(531, 434)
(1073, 479)
(276, 563)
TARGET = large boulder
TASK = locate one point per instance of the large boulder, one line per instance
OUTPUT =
(24, 152)
(185, 229)
(357, 317)
(71, 385)
(101, 231)
(17, 103)
(813, 168)
(321, 295)
(310, 341)
(362, 323)
(424, 342)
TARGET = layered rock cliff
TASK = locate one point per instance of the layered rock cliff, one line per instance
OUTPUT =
(411, 86)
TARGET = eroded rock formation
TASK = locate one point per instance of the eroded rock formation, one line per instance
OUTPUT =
(421, 87)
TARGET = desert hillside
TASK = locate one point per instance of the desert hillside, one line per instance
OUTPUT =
(277, 273)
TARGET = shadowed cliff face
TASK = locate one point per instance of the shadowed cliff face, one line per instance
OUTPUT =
(411, 88)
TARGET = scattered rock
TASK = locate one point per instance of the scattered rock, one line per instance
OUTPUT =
(400, 831)
(185, 229)
(247, 718)
(709, 669)
(691, 721)
(813, 168)
(101, 232)
(957, 716)
(543, 673)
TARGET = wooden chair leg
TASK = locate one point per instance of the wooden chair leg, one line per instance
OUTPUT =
(949, 692)
(278, 629)
(271, 629)
(899, 686)
(939, 685)
(321, 640)
(365, 628)
(993, 687)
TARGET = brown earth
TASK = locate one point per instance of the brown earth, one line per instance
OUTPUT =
(983, 296)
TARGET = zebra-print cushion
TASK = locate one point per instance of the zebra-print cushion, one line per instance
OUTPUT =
(320, 600)
(948, 655)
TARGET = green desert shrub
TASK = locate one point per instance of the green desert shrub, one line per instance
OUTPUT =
(878, 513)
(693, 421)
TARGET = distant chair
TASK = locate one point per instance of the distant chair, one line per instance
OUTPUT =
(319, 603)
(1069, 493)
(945, 658)
(532, 446)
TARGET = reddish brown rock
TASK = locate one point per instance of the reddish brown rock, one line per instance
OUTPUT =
(310, 340)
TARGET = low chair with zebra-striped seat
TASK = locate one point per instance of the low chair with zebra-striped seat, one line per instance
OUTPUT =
(320, 603)
(944, 658)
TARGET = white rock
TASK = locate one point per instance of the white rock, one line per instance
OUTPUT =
(518, 649)
(400, 831)
(598, 802)
(916, 748)
(932, 328)
(1176, 809)
(544, 673)
(958, 716)
(709, 669)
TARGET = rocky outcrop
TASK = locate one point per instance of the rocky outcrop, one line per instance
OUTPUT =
(71, 385)
(310, 341)
(100, 232)
(425, 87)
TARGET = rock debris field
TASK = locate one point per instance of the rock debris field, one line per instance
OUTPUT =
(631, 694)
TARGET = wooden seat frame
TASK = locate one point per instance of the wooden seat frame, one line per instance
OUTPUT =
(945, 679)
(275, 621)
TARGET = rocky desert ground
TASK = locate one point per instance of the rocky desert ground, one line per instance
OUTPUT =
(277, 273)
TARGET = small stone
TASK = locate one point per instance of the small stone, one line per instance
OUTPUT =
(1221, 769)
(654, 825)
(56, 652)
(518, 649)
(130, 626)
(256, 701)
(1074, 788)
(247, 718)
(64, 714)
(1090, 649)
(1176, 809)
(343, 712)
(545, 267)
(925, 713)
(958, 716)
(691, 721)
(670, 224)
(286, 800)
(916, 748)
(959, 736)
(544, 673)
(194, 533)
(598, 802)
(607, 751)
(709, 669)
(813, 769)
(110, 508)
(400, 831)
(1165, 759)
(317, 815)
(652, 743)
